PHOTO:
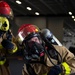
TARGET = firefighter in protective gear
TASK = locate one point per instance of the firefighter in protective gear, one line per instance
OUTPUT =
(40, 57)
(7, 45)
(5, 10)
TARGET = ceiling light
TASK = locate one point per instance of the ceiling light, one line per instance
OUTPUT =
(74, 19)
(29, 8)
(72, 16)
(36, 13)
(70, 13)
(18, 2)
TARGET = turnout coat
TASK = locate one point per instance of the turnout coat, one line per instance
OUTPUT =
(41, 69)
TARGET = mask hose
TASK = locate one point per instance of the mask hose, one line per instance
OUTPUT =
(50, 46)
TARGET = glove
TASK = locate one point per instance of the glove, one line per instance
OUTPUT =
(55, 70)
(1, 33)
(9, 36)
(7, 44)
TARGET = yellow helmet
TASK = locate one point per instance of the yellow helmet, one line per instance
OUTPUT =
(4, 24)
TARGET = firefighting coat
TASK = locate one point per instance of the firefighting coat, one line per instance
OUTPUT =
(4, 53)
(41, 69)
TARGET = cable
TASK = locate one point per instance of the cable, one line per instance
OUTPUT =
(50, 46)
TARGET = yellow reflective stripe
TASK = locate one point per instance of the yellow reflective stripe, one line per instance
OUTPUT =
(1, 46)
(14, 50)
(67, 68)
(45, 74)
(2, 62)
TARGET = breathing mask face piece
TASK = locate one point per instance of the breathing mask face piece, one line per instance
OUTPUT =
(35, 50)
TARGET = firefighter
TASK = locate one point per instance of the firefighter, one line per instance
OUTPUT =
(5, 10)
(7, 39)
(7, 46)
(41, 57)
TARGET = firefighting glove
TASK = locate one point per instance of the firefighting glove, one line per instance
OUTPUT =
(1, 33)
(55, 70)
(9, 36)
(7, 44)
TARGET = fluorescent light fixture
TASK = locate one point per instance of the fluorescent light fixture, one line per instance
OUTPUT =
(28, 8)
(18, 2)
(70, 13)
(74, 19)
(72, 16)
(36, 13)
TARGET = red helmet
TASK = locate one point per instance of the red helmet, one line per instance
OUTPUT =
(5, 9)
(27, 29)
